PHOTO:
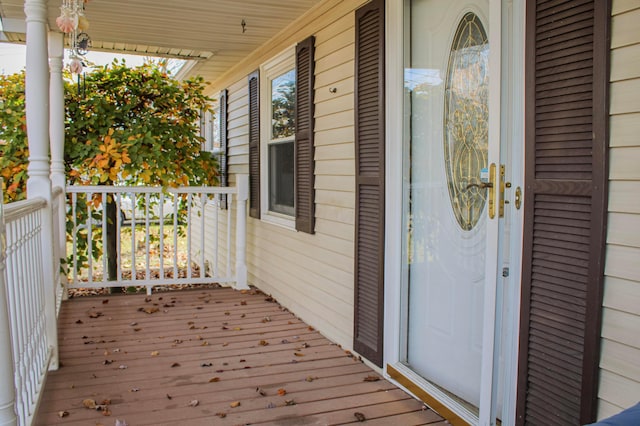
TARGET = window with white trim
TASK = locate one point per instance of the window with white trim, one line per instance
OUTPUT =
(277, 130)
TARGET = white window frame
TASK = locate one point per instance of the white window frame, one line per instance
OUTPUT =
(278, 65)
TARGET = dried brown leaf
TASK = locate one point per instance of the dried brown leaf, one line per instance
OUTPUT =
(62, 414)
(155, 353)
(79, 322)
(169, 397)
(149, 309)
(95, 314)
(89, 403)
(360, 417)
(243, 302)
(105, 301)
(289, 402)
(311, 378)
(175, 364)
(194, 403)
(214, 379)
(261, 392)
(371, 378)
(221, 415)
(298, 354)
(282, 392)
(263, 343)
(234, 404)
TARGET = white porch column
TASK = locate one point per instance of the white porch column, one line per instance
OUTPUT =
(56, 135)
(39, 184)
(242, 184)
(56, 112)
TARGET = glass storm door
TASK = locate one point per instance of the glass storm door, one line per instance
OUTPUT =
(451, 238)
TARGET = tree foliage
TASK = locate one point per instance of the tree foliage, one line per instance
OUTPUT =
(136, 126)
(14, 150)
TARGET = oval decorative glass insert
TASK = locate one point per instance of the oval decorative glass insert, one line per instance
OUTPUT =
(466, 120)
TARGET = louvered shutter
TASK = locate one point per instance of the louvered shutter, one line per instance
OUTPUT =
(223, 156)
(304, 150)
(369, 149)
(565, 210)
(254, 146)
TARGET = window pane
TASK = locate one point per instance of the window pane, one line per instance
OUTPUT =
(281, 178)
(283, 101)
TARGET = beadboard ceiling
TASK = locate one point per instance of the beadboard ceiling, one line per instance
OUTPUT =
(207, 31)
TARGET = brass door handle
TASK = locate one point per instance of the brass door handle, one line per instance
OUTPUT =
(518, 200)
(481, 185)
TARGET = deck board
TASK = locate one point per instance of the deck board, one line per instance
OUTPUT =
(216, 346)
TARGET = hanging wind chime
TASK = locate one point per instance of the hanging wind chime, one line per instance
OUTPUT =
(73, 22)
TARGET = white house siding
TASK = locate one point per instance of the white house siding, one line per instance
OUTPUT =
(312, 275)
(619, 365)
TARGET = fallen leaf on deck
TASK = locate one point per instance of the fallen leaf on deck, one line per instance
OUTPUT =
(360, 417)
(107, 361)
(149, 309)
(310, 378)
(169, 396)
(137, 329)
(134, 390)
(205, 343)
(89, 403)
(261, 392)
(214, 379)
(123, 367)
(221, 415)
(105, 301)
(282, 392)
(371, 378)
(243, 360)
(243, 302)
(298, 354)
(266, 319)
(234, 404)
(237, 329)
(271, 405)
(121, 423)
(263, 343)
(194, 403)
(243, 315)
(95, 314)
(79, 322)
(155, 353)
(225, 344)
(227, 313)
(206, 364)
(133, 324)
(305, 345)
(175, 364)
(147, 299)
(105, 411)
(289, 402)
(62, 414)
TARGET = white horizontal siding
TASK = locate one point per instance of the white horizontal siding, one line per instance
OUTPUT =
(312, 275)
(619, 366)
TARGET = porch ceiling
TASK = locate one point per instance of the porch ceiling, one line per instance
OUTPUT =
(209, 32)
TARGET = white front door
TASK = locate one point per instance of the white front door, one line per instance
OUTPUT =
(451, 128)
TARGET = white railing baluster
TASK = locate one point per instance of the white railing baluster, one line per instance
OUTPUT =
(161, 254)
(147, 214)
(203, 206)
(105, 247)
(175, 236)
(189, 216)
(89, 237)
(118, 199)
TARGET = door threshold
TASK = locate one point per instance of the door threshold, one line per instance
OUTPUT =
(457, 417)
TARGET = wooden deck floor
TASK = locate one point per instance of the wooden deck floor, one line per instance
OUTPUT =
(210, 357)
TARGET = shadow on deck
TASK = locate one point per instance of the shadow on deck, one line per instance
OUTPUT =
(203, 357)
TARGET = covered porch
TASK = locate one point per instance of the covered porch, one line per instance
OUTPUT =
(221, 355)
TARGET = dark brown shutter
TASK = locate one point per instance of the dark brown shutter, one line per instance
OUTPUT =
(369, 149)
(223, 156)
(304, 150)
(566, 146)
(254, 145)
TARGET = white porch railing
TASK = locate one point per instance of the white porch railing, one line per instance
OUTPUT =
(185, 247)
(28, 335)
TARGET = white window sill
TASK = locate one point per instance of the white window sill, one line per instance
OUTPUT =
(278, 219)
